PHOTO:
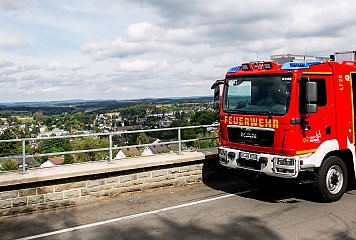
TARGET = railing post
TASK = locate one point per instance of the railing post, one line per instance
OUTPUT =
(110, 142)
(179, 142)
(23, 156)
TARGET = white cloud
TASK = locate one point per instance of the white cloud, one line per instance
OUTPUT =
(10, 41)
(142, 32)
(50, 89)
(135, 66)
(77, 66)
(5, 64)
(123, 49)
(55, 66)
(11, 5)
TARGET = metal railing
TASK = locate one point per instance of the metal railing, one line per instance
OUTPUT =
(110, 148)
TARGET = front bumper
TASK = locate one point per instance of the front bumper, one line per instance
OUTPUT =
(270, 164)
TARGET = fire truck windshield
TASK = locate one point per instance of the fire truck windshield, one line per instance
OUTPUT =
(258, 94)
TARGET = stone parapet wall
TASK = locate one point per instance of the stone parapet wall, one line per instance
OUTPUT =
(53, 194)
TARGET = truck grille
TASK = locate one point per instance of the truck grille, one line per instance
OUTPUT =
(251, 136)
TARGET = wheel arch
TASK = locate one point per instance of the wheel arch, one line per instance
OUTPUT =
(348, 158)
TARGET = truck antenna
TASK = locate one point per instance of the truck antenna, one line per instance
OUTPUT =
(306, 50)
(265, 53)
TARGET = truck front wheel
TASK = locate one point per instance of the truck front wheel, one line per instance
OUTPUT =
(331, 179)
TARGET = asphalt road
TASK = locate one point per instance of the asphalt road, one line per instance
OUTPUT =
(229, 209)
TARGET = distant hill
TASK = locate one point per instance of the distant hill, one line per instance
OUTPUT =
(57, 107)
(41, 103)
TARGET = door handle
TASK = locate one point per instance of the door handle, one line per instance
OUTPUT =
(328, 130)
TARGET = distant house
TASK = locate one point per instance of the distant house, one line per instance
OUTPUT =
(47, 164)
(147, 152)
(30, 162)
(57, 160)
(128, 152)
(154, 140)
(43, 129)
(165, 123)
(124, 128)
(54, 132)
(120, 155)
(2, 129)
(53, 162)
(134, 152)
(34, 144)
(159, 149)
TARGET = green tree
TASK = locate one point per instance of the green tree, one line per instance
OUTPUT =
(180, 123)
(119, 140)
(142, 139)
(186, 134)
(132, 137)
(68, 159)
(138, 111)
(9, 148)
(90, 143)
(5, 114)
(40, 117)
(204, 118)
(208, 143)
(54, 145)
(9, 165)
(13, 120)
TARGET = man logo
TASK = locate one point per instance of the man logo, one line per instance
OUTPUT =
(250, 135)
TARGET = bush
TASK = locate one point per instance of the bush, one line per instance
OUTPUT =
(9, 165)
(206, 143)
(86, 143)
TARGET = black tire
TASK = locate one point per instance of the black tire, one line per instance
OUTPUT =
(331, 179)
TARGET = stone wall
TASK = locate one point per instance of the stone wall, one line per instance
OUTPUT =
(40, 196)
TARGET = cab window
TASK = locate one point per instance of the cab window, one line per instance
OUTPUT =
(322, 98)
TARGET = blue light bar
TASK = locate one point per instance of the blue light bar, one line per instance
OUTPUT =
(233, 69)
(299, 65)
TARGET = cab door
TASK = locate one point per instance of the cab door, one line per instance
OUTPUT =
(317, 127)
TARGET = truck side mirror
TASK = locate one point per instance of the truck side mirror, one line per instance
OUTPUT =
(216, 87)
(311, 97)
(311, 92)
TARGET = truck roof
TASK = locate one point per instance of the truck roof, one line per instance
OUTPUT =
(283, 58)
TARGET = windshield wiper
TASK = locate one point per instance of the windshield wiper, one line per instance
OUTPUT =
(269, 113)
(235, 111)
(229, 110)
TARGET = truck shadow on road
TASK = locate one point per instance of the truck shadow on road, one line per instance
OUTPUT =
(163, 228)
(268, 189)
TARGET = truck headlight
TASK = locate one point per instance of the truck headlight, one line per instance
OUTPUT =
(284, 161)
(222, 152)
(244, 155)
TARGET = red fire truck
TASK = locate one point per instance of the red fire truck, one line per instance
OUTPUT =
(291, 119)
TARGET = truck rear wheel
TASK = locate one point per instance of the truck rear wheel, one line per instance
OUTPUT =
(331, 179)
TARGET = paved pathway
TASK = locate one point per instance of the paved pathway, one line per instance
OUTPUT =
(229, 209)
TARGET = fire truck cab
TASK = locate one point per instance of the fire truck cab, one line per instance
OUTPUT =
(288, 116)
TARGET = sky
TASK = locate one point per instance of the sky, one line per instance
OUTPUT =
(128, 49)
